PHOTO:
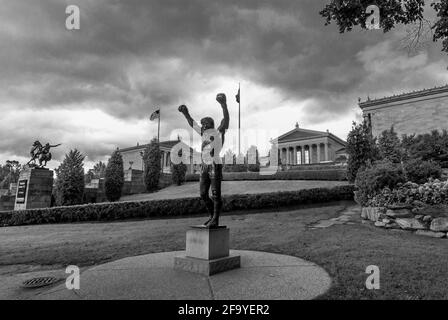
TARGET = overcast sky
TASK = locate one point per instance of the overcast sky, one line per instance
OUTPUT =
(94, 88)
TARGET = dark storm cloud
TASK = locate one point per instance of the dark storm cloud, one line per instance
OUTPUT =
(130, 55)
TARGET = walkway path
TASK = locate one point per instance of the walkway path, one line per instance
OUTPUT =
(347, 216)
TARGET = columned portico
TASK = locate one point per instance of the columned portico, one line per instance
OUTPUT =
(301, 146)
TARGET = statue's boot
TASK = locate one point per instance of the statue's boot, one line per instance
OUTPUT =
(214, 221)
(209, 206)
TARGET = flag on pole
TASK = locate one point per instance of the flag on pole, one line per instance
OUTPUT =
(238, 96)
(155, 115)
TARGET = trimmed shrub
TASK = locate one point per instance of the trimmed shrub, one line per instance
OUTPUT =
(70, 179)
(178, 172)
(152, 157)
(373, 178)
(114, 177)
(328, 175)
(173, 207)
(389, 146)
(420, 171)
(361, 148)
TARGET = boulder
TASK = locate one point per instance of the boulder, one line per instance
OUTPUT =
(430, 233)
(399, 213)
(439, 224)
(427, 218)
(419, 217)
(399, 206)
(393, 225)
(386, 221)
(364, 212)
(379, 224)
(410, 224)
(372, 213)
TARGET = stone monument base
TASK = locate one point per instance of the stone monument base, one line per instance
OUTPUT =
(207, 251)
(34, 189)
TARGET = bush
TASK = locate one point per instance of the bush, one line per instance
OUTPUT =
(173, 207)
(433, 192)
(420, 171)
(178, 172)
(70, 180)
(389, 146)
(114, 177)
(152, 157)
(361, 148)
(373, 178)
(430, 146)
(234, 168)
(329, 175)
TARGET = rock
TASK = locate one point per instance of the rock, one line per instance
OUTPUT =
(393, 225)
(386, 221)
(372, 213)
(399, 206)
(439, 224)
(379, 224)
(364, 212)
(427, 219)
(418, 217)
(399, 213)
(410, 224)
(430, 233)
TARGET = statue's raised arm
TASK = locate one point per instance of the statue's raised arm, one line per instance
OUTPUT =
(184, 110)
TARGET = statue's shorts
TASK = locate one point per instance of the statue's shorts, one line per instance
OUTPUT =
(210, 178)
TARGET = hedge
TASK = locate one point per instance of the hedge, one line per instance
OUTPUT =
(170, 208)
(328, 175)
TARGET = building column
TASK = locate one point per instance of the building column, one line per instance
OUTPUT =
(326, 151)
(294, 156)
(318, 153)
(303, 154)
(311, 153)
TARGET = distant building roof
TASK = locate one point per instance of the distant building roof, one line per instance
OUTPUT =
(404, 96)
(163, 145)
(305, 134)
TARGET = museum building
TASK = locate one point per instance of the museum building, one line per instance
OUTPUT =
(302, 147)
(416, 112)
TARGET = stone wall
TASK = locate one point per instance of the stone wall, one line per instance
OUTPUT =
(418, 115)
(422, 222)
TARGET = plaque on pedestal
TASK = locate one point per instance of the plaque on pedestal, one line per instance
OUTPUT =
(207, 251)
(34, 189)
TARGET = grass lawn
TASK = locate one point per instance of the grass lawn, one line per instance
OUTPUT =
(411, 267)
(191, 189)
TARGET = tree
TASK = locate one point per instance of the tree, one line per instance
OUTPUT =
(99, 170)
(389, 146)
(428, 147)
(347, 14)
(361, 148)
(9, 173)
(114, 177)
(70, 179)
(151, 158)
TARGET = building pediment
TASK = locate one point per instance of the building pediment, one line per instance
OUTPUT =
(300, 134)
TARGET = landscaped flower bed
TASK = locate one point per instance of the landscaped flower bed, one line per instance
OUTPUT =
(422, 208)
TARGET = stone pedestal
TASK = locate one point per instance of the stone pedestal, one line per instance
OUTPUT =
(34, 189)
(207, 251)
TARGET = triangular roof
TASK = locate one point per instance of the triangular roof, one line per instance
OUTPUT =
(304, 134)
(163, 145)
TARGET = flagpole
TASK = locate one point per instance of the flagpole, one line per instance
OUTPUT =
(239, 119)
(158, 129)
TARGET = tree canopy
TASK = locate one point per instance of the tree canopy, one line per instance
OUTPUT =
(350, 13)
